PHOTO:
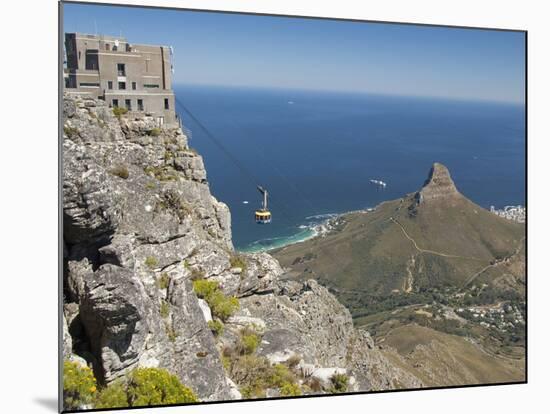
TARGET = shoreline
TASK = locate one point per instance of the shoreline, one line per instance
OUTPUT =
(306, 232)
(329, 220)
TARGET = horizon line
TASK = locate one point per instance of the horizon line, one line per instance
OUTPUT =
(355, 92)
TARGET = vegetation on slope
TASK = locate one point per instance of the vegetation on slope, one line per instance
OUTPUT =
(221, 305)
(253, 373)
(142, 387)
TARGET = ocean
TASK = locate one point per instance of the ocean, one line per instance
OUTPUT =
(316, 151)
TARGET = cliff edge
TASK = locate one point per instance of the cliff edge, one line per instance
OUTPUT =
(140, 227)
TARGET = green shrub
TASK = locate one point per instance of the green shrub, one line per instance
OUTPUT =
(155, 132)
(251, 373)
(151, 185)
(248, 342)
(339, 383)
(151, 262)
(120, 171)
(171, 332)
(290, 389)
(144, 387)
(79, 386)
(254, 374)
(112, 396)
(226, 361)
(222, 306)
(205, 288)
(216, 326)
(163, 281)
(168, 155)
(280, 375)
(164, 309)
(196, 274)
(252, 391)
(161, 173)
(175, 203)
(154, 386)
(293, 361)
(70, 131)
(237, 261)
(314, 384)
(118, 111)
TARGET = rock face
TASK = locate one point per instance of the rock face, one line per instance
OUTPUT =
(136, 207)
(303, 319)
(439, 185)
(139, 225)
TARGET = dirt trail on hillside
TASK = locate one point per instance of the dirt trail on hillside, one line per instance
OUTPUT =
(495, 264)
(431, 251)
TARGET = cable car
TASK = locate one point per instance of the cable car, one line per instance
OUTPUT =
(263, 215)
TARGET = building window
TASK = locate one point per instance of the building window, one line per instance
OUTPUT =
(134, 85)
(109, 84)
(166, 105)
(122, 85)
(128, 104)
(140, 104)
(147, 64)
(107, 46)
(121, 69)
(92, 62)
(89, 85)
(115, 103)
(79, 55)
(150, 85)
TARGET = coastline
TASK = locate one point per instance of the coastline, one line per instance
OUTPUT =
(322, 224)
(318, 225)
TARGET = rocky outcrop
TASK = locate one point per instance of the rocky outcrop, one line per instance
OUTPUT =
(304, 320)
(136, 208)
(439, 185)
(139, 225)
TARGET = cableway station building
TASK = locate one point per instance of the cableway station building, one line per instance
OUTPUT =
(132, 76)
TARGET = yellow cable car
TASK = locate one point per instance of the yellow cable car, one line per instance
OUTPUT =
(263, 216)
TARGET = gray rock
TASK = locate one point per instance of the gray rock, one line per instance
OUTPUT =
(206, 312)
(115, 316)
(234, 392)
(67, 340)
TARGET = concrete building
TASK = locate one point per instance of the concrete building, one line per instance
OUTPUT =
(132, 76)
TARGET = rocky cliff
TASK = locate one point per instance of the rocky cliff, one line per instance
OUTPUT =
(139, 225)
(439, 185)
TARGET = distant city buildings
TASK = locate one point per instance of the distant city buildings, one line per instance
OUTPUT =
(131, 76)
(515, 213)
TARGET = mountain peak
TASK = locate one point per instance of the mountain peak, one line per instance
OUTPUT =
(439, 184)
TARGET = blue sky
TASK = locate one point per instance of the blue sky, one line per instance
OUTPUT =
(265, 51)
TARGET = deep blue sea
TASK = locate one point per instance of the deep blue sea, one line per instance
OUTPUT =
(316, 152)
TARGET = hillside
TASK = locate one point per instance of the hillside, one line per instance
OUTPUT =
(151, 279)
(435, 237)
(432, 260)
